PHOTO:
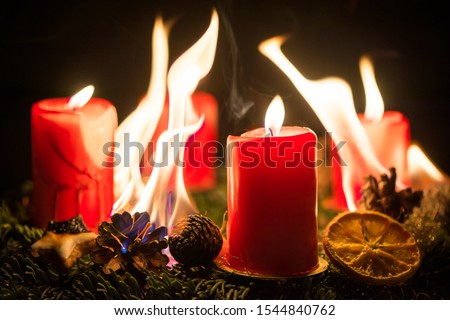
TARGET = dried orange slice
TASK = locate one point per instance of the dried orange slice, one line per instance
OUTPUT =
(372, 247)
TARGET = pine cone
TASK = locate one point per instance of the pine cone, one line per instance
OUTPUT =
(195, 240)
(381, 196)
(130, 239)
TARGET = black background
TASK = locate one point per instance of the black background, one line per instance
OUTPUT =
(54, 48)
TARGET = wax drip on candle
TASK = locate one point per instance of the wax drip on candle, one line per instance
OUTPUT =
(274, 117)
(79, 99)
(68, 174)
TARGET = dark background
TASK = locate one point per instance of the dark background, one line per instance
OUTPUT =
(54, 48)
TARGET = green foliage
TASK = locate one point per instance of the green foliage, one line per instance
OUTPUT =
(24, 277)
(213, 203)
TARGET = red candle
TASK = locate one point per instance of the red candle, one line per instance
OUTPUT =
(272, 201)
(201, 149)
(69, 155)
(201, 152)
(390, 138)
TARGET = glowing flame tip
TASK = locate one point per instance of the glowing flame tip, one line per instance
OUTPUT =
(374, 101)
(79, 99)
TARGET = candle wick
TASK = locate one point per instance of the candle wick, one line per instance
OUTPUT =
(270, 133)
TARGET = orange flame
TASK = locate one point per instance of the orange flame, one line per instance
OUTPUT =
(141, 123)
(166, 202)
(423, 173)
(374, 101)
(388, 131)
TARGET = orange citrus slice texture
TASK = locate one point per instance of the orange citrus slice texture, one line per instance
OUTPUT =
(371, 247)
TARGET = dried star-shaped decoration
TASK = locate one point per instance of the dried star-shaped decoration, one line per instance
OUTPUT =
(64, 242)
(130, 239)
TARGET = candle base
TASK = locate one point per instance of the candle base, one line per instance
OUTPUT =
(222, 263)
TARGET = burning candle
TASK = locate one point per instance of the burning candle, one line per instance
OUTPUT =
(272, 199)
(70, 173)
(388, 133)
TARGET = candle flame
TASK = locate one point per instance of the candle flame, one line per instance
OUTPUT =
(374, 101)
(79, 99)
(186, 72)
(274, 116)
(164, 194)
(421, 170)
(128, 183)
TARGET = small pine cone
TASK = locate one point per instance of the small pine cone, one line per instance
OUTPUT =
(380, 195)
(195, 240)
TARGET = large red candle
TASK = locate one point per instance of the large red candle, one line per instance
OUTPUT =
(272, 202)
(70, 153)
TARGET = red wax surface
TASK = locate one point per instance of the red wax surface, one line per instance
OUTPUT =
(390, 138)
(272, 205)
(201, 150)
(67, 156)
